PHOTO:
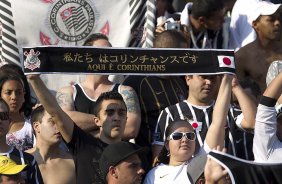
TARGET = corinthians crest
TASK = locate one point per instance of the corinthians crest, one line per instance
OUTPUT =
(72, 20)
(32, 61)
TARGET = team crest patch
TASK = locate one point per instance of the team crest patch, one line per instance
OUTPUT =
(32, 61)
(72, 20)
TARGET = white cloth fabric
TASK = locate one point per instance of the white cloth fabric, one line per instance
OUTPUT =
(266, 145)
(22, 139)
(274, 69)
(241, 31)
(167, 174)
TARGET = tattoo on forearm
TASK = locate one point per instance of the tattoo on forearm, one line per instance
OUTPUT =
(64, 99)
(131, 100)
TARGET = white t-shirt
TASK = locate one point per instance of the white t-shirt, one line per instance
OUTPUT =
(22, 139)
(167, 174)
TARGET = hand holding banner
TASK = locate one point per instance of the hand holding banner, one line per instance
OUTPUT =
(127, 61)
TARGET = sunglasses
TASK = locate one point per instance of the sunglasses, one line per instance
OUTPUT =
(191, 136)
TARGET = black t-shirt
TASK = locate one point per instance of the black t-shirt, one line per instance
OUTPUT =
(87, 151)
(82, 103)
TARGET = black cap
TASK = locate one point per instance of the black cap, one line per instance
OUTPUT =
(117, 152)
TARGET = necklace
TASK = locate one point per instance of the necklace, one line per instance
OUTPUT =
(194, 39)
(204, 43)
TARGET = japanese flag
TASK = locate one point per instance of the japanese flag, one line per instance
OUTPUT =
(226, 61)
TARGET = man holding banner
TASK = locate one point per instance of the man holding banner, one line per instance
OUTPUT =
(79, 100)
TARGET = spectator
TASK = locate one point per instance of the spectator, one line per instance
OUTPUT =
(13, 92)
(51, 158)
(204, 19)
(241, 31)
(32, 174)
(268, 132)
(253, 60)
(121, 163)
(10, 172)
(157, 92)
(244, 139)
(110, 116)
(79, 100)
(199, 107)
(165, 10)
(179, 152)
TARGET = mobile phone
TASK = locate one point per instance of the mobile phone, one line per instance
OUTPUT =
(172, 26)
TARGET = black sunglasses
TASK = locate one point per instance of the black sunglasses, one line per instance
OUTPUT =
(191, 136)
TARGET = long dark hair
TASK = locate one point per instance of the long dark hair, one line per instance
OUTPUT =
(29, 101)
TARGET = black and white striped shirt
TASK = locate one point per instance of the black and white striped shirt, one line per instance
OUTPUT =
(200, 114)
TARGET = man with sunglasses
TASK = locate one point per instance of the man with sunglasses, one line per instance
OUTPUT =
(110, 116)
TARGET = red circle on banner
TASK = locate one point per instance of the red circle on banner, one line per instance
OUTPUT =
(226, 61)
(195, 125)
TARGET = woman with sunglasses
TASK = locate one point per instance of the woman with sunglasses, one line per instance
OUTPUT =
(178, 161)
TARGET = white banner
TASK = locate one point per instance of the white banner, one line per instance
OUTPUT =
(70, 22)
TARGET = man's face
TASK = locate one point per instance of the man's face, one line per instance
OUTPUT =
(130, 171)
(268, 26)
(48, 131)
(4, 120)
(216, 21)
(112, 118)
(202, 88)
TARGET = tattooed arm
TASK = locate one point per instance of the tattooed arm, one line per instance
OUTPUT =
(65, 99)
(133, 112)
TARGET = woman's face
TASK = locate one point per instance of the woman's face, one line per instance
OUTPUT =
(13, 93)
(181, 150)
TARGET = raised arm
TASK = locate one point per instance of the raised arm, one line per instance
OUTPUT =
(247, 105)
(133, 112)
(274, 89)
(215, 134)
(65, 99)
(266, 134)
(64, 123)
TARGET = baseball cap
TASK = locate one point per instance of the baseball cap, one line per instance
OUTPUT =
(117, 152)
(9, 167)
(263, 8)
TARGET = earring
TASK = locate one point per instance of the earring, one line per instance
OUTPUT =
(168, 154)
